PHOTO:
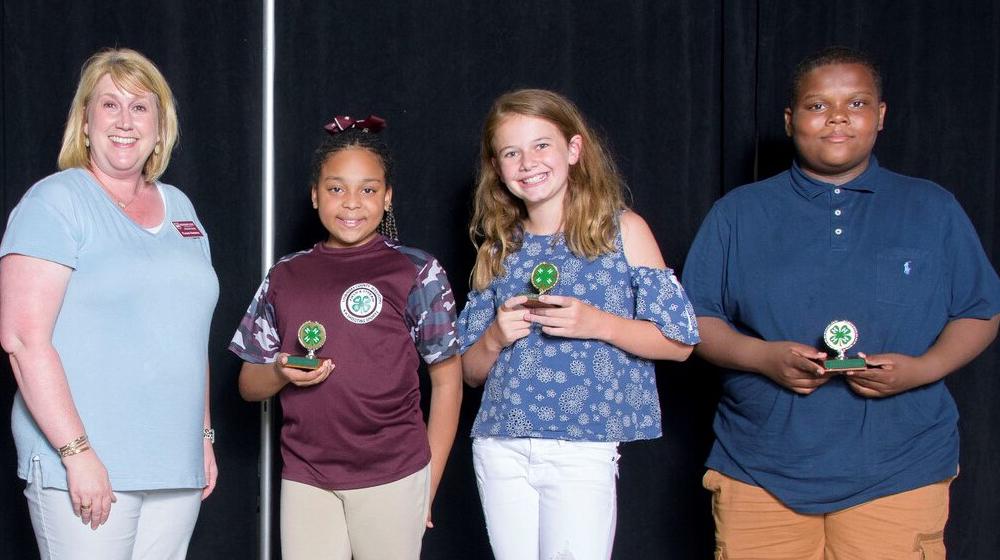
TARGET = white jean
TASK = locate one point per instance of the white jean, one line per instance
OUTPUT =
(154, 524)
(547, 499)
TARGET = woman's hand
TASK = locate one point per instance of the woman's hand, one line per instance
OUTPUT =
(89, 488)
(211, 468)
(299, 377)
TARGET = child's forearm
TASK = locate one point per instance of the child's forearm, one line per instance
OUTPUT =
(960, 341)
(442, 421)
(478, 360)
(260, 381)
(644, 339)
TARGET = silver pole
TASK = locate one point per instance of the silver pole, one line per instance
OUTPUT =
(267, 259)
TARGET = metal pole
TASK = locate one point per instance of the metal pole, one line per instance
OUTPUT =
(267, 259)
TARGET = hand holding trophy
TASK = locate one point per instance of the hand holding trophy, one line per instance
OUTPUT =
(840, 336)
(544, 277)
(312, 336)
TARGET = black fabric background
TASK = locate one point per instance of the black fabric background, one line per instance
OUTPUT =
(689, 95)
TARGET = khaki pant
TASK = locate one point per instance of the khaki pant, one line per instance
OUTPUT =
(751, 524)
(376, 523)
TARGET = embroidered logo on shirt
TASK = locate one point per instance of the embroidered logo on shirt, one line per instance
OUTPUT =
(906, 268)
(361, 303)
(188, 228)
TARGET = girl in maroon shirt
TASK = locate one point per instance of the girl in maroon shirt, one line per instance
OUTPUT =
(360, 467)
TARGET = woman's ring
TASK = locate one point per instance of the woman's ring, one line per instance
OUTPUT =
(85, 508)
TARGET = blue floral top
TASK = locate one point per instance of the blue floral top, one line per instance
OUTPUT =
(550, 387)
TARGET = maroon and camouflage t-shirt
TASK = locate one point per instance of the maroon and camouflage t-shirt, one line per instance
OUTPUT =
(381, 304)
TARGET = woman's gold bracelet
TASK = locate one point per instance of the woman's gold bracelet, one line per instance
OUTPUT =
(78, 445)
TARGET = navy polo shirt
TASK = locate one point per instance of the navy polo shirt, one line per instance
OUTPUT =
(780, 259)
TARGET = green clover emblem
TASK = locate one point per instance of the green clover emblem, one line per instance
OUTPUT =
(361, 303)
(544, 277)
(312, 335)
(840, 334)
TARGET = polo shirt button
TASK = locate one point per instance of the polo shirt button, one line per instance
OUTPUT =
(837, 212)
(836, 191)
(838, 231)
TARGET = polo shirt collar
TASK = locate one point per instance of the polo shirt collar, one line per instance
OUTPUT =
(809, 187)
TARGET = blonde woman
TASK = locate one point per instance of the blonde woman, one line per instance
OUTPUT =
(106, 295)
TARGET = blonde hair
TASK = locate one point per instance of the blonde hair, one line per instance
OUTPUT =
(134, 73)
(594, 195)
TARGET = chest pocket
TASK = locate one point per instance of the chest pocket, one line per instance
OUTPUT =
(904, 276)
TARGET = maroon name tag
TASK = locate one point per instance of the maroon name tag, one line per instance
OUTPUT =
(188, 229)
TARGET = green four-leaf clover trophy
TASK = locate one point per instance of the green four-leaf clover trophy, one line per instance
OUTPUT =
(312, 336)
(544, 277)
(839, 336)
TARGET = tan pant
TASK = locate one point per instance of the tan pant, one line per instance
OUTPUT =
(751, 524)
(376, 523)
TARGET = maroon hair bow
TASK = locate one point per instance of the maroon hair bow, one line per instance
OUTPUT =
(341, 123)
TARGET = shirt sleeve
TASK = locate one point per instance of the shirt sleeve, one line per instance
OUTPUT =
(44, 225)
(256, 340)
(475, 318)
(974, 286)
(705, 267)
(431, 311)
(660, 299)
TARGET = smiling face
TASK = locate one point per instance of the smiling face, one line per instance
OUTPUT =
(123, 128)
(834, 121)
(533, 158)
(351, 196)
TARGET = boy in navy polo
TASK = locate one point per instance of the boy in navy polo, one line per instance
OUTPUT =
(809, 464)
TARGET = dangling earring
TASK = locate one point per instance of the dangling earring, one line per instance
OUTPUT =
(387, 227)
(156, 148)
(86, 141)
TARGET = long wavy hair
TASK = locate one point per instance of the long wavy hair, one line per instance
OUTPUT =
(594, 195)
(134, 73)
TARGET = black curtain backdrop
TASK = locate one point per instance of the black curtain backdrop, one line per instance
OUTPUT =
(689, 95)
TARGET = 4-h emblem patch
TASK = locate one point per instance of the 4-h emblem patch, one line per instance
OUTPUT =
(361, 303)
(544, 277)
(840, 335)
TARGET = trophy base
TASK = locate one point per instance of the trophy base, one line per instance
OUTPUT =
(847, 364)
(302, 362)
(534, 303)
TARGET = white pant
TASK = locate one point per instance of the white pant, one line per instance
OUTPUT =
(547, 499)
(154, 524)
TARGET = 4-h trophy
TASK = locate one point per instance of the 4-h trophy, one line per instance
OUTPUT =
(839, 336)
(544, 277)
(312, 335)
